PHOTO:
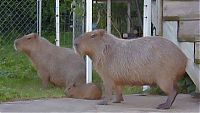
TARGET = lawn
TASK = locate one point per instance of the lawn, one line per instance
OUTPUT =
(19, 80)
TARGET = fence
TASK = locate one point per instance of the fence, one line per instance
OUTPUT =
(20, 17)
(17, 18)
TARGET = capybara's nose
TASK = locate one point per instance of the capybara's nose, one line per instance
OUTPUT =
(76, 45)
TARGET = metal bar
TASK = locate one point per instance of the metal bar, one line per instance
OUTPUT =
(109, 16)
(57, 24)
(39, 17)
(88, 29)
(147, 25)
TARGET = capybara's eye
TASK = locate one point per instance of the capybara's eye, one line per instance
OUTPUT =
(93, 35)
(29, 38)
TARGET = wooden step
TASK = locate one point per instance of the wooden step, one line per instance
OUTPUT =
(181, 10)
(188, 31)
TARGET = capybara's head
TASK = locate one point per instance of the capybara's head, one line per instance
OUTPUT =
(90, 42)
(72, 91)
(26, 43)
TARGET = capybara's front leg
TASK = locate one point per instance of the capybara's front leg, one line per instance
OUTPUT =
(45, 77)
(45, 82)
(119, 97)
(108, 93)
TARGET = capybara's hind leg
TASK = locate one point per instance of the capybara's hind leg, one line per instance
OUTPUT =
(171, 90)
(119, 97)
(108, 93)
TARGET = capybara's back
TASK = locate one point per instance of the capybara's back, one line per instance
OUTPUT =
(141, 61)
(57, 65)
(150, 59)
(88, 91)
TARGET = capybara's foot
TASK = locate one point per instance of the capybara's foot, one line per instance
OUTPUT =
(103, 102)
(164, 106)
(118, 100)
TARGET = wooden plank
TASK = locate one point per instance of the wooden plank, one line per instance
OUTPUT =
(188, 31)
(197, 53)
(193, 70)
(181, 0)
(181, 10)
(157, 18)
(159, 4)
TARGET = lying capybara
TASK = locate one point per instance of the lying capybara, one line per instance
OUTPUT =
(58, 65)
(88, 91)
(141, 61)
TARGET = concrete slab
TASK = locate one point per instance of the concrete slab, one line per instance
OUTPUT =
(132, 103)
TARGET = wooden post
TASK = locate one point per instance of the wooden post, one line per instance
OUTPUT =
(139, 13)
(197, 52)
(159, 30)
(129, 16)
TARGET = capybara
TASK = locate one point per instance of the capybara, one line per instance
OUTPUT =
(58, 65)
(141, 61)
(88, 91)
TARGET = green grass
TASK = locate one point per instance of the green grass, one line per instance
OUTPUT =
(19, 80)
(22, 89)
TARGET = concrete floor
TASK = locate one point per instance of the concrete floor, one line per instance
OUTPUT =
(132, 103)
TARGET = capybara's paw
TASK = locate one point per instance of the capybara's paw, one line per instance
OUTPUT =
(164, 106)
(103, 102)
(118, 100)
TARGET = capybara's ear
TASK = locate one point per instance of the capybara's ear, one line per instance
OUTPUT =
(34, 35)
(74, 85)
(93, 35)
(102, 32)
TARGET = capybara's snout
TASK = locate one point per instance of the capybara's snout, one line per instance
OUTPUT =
(76, 42)
(76, 45)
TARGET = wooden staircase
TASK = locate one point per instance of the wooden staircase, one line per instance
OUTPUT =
(180, 23)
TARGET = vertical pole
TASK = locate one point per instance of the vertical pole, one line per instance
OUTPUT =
(88, 29)
(73, 4)
(39, 17)
(139, 13)
(147, 25)
(129, 16)
(109, 16)
(57, 24)
(147, 18)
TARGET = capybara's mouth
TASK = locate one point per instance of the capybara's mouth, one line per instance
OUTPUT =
(77, 51)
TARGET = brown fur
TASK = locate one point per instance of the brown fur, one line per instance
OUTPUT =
(86, 91)
(57, 65)
(141, 61)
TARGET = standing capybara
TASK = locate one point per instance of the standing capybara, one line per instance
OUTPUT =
(88, 91)
(141, 61)
(60, 66)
